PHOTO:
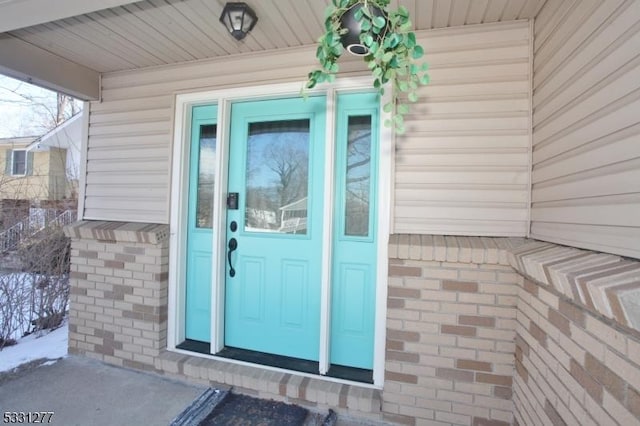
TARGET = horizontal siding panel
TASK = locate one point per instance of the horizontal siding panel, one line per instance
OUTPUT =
(611, 239)
(590, 129)
(462, 175)
(472, 88)
(608, 68)
(132, 116)
(427, 141)
(625, 178)
(475, 227)
(612, 210)
(557, 58)
(131, 153)
(620, 147)
(480, 36)
(461, 211)
(586, 143)
(454, 124)
(134, 128)
(619, 88)
(509, 53)
(477, 193)
(482, 107)
(480, 158)
(114, 142)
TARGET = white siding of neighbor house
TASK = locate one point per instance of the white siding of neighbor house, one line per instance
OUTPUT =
(463, 166)
(586, 135)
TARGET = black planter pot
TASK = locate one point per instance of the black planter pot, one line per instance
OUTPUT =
(351, 39)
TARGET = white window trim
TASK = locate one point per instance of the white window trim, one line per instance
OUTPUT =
(178, 219)
(26, 162)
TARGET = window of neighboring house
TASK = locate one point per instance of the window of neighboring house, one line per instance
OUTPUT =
(19, 162)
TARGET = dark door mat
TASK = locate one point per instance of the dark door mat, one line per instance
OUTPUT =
(199, 409)
(242, 410)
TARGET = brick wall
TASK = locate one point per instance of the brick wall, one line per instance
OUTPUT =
(480, 331)
(451, 320)
(118, 301)
(573, 367)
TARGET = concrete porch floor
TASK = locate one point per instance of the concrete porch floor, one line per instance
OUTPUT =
(82, 391)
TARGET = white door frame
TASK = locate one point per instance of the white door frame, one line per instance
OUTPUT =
(177, 240)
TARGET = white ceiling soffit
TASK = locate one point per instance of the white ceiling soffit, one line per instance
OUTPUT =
(16, 14)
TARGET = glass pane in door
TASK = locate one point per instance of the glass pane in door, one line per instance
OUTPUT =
(358, 176)
(206, 176)
(277, 177)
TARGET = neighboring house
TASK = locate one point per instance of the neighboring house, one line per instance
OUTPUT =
(493, 278)
(42, 168)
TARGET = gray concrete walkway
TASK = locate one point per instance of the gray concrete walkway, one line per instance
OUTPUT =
(81, 391)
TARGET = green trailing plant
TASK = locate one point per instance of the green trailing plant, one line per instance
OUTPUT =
(392, 52)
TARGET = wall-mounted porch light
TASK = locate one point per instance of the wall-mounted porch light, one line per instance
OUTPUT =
(239, 19)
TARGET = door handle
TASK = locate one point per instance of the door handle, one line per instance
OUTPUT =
(233, 245)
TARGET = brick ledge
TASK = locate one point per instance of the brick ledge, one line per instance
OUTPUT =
(603, 283)
(125, 232)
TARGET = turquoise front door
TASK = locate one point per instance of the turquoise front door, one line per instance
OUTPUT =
(202, 169)
(274, 226)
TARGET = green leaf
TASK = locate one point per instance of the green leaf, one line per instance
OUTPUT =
(358, 14)
(388, 123)
(365, 25)
(425, 79)
(425, 66)
(387, 57)
(388, 107)
(403, 109)
(413, 97)
(403, 86)
(418, 51)
(379, 22)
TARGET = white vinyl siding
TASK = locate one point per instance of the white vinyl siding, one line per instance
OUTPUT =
(463, 166)
(586, 134)
(130, 130)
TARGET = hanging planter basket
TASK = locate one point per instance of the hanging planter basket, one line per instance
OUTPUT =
(383, 38)
(351, 38)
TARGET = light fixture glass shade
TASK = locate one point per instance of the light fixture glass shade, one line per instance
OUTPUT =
(239, 19)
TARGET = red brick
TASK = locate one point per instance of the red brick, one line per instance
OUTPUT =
(477, 321)
(538, 334)
(453, 374)
(458, 330)
(479, 421)
(572, 312)
(633, 401)
(467, 364)
(531, 287)
(403, 356)
(553, 414)
(559, 321)
(462, 286)
(395, 303)
(494, 379)
(405, 336)
(400, 377)
(503, 392)
(399, 419)
(592, 387)
(395, 345)
(610, 380)
(412, 293)
(404, 271)
(522, 371)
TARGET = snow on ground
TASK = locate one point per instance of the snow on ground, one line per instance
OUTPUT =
(51, 345)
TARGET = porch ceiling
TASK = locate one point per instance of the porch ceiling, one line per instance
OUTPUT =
(156, 32)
